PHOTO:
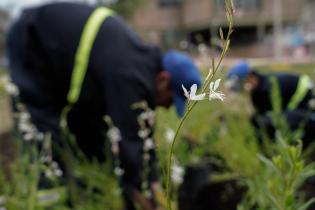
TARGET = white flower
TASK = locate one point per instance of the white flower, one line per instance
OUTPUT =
(144, 133)
(213, 94)
(148, 144)
(25, 117)
(169, 135)
(58, 172)
(148, 116)
(114, 134)
(12, 89)
(177, 173)
(119, 171)
(192, 94)
(28, 136)
(48, 173)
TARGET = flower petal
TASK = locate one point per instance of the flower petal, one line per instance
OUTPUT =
(211, 86)
(186, 93)
(193, 90)
(198, 97)
(216, 84)
(216, 95)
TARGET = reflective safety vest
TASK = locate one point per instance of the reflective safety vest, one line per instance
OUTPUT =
(82, 56)
(53, 196)
(304, 85)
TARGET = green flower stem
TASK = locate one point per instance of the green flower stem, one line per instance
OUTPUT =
(169, 165)
(192, 104)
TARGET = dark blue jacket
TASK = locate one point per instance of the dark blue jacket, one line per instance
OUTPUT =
(41, 47)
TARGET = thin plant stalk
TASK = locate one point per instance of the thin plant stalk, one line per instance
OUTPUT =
(192, 104)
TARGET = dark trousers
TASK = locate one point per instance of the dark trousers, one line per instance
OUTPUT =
(296, 119)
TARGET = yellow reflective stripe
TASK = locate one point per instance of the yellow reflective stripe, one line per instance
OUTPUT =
(300, 93)
(82, 56)
(51, 196)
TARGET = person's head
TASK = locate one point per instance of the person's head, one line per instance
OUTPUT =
(178, 70)
(241, 76)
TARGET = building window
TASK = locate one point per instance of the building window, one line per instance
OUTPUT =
(241, 4)
(165, 3)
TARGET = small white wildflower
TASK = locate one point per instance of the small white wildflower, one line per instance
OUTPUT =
(25, 127)
(143, 133)
(213, 94)
(48, 173)
(119, 171)
(58, 172)
(28, 136)
(192, 94)
(177, 173)
(25, 117)
(148, 116)
(114, 134)
(148, 144)
(12, 89)
(169, 135)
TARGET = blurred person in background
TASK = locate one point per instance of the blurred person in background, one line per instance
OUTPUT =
(74, 55)
(297, 99)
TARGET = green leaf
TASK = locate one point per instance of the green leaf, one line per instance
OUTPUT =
(307, 204)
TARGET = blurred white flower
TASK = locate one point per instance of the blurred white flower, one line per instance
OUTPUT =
(144, 133)
(24, 116)
(148, 116)
(48, 173)
(192, 94)
(148, 144)
(114, 134)
(58, 172)
(12, 89)
(177, 174)
(28, 136)
(213, 94)
(169, 135)
(119, 171)
(2, 200)
(25, 127)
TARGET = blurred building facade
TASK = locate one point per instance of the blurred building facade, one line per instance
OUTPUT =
(167, 22)
(4, 20)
